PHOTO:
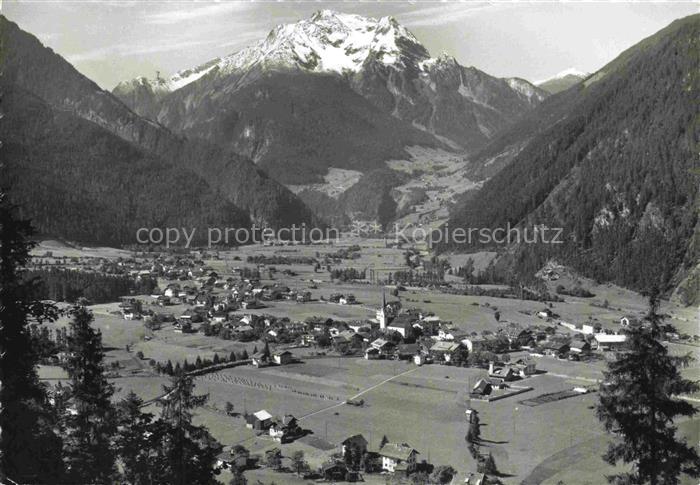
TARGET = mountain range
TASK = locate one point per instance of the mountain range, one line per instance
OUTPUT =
(356, 117)
(108, 137)
(335, 90)
(613, 161)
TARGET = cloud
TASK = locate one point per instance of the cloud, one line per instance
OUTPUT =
(122, 50)
(246, 38)
(445, 13)
(185, 12)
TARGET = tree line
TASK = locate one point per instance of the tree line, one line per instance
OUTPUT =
(69, 286)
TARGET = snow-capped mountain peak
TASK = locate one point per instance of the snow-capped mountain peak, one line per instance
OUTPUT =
(328, 41)
(378, 59)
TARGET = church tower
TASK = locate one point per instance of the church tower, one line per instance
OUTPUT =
(381, 313)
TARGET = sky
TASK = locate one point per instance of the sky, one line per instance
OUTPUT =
(112, 41)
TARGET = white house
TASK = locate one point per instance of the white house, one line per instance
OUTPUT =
(606, 341)
(395, 455)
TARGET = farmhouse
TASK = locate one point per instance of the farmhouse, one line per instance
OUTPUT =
(545, 313)
(131, 314)
(383, 346)
(284, 429)
(443, 351)
(554, 348)
(474, 344)
(516, 335)
(506, 373)
(605, 342)
(483, 387)
(335, 471)
(237, 458)
(445, 333)
(525, 367)
(372, 353)
(282, 358)
(260, 359)
(580, 346)
(407, 351)
(357, 443)
(398, 456)
(260, 420)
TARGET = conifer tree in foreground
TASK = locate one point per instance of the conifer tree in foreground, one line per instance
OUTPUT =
(30, 449)
(91, 426)
(639, 400)
(137, 442)
(190, 451)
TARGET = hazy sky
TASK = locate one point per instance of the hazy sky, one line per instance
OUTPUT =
(110, 41)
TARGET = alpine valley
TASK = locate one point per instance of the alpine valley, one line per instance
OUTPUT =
(339, 117)
(278, 102)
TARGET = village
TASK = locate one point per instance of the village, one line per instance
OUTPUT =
(320, 365)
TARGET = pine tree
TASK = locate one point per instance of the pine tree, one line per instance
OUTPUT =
(190, 451)
(384, 441)
(89, 454)
(638, 400)
(136, 442)
(30, 449)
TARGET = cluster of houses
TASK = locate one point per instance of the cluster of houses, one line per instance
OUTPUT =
(389, 457)
(434, 341)
(343, 299)
(281, 429)
(395, 333)
(239, 293)
(206, 306)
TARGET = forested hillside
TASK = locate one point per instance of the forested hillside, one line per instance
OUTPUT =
(80, 182)
(294, 125)
(616, 172)
(220, 174)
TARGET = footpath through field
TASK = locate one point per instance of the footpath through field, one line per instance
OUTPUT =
(361, 393)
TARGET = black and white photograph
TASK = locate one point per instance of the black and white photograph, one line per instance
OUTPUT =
(386, 242)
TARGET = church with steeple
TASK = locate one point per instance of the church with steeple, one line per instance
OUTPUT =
(382, 316)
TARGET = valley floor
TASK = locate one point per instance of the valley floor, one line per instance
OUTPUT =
(422, 406)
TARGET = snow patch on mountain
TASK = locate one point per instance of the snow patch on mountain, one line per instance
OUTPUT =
(572, 71)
